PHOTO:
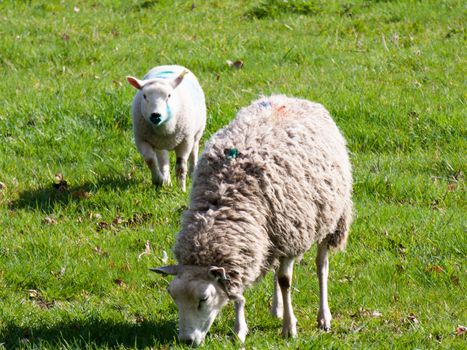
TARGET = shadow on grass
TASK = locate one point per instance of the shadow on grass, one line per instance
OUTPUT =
(89, 334)
(47, 197)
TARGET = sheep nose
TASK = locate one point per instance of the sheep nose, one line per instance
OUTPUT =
(155, 118)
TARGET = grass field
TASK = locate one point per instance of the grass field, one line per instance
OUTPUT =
(393, 75)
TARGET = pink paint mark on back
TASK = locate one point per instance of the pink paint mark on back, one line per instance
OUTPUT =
(280, 108)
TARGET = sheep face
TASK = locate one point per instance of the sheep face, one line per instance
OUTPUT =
(199, 297)
(155, 97)
(155, 102)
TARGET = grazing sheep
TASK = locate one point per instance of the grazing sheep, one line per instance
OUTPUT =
(169, 113)
(268, 186)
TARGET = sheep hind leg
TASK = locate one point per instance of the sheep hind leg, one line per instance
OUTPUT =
(322, 267)
(164, 166)
(193, 160)
(182, 151)
(181, 170)
(277, 308)
(284, 277)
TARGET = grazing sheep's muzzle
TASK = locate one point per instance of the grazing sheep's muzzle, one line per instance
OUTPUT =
(192, 341)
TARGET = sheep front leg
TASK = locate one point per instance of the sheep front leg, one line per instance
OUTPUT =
(149, 156)
(322, 267)
(164, 166)
(284, 274)
(277, 308)
(240, 327)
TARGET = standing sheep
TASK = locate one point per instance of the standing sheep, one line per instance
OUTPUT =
(268, 186)
(169, 113)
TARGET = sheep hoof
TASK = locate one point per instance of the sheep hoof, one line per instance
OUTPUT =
(289, 333)
(324, 320)
(324, 325)
(289, 329)
(157, 182)
(241, 335)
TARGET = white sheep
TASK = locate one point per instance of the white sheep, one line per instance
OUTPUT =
(169, 113)
(268, 186)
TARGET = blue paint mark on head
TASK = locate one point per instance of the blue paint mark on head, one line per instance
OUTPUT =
(163, 75)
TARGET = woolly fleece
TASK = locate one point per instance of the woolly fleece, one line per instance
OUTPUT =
(288, 187)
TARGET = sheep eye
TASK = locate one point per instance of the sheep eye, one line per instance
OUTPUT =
(201, 301)
(168, 96)
(144, 96)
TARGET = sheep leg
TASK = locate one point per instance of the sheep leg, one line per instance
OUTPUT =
(164, 166)
(277, 308)
(240, 327)
(150, 158)
(284, 274)
(181, 170)
(182, 151)
(322, 266)
(193, 157)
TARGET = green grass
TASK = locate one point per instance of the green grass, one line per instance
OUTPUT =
(392, 73)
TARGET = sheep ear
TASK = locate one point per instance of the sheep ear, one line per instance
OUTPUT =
(176, 82)
(217, 273)
(166, 270)
(138, 84)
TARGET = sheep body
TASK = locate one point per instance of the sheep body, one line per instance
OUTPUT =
(273, 182)
(171, 117)
(289, 187)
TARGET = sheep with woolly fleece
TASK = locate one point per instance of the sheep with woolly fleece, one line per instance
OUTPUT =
(268, 186)
(169, 113)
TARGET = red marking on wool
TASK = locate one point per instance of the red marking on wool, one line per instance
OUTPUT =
(280, 109)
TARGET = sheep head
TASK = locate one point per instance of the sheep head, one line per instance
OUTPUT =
(200, 293)
(156, 94)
